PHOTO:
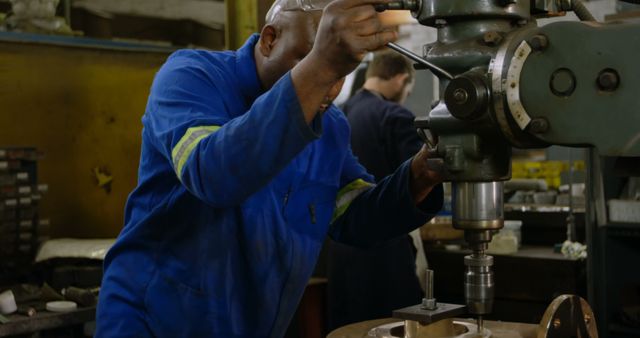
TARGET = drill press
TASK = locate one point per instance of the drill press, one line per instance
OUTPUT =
(506, 82)
(478, 210)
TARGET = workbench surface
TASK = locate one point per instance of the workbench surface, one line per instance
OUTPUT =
(45, 320)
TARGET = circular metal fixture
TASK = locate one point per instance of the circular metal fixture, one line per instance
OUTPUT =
(539, 42)
(563, 82)
(460, 96)
(608, 80)
(466, 97)
(539, 125)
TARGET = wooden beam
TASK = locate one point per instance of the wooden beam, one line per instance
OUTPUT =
(241, 21)
(209, 13)
(244, 17)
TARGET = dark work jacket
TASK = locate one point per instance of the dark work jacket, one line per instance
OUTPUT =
(368, 284)
(382, 133)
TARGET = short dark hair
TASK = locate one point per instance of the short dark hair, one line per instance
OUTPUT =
(388, 64)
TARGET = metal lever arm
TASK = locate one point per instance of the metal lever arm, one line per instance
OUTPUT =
(411, 5)
(439, 72)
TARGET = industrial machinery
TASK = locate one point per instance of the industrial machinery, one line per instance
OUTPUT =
(505, 82)
(566, 316)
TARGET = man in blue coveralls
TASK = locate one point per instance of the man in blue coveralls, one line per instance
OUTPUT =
(383, 137)
(245, 168)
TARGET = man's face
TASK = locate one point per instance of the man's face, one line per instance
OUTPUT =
(293, 41)
(293, 37)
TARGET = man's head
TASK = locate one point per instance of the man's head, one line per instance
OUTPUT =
(286, 38)
(391, 74)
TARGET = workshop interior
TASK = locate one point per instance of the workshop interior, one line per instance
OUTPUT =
(530, 106)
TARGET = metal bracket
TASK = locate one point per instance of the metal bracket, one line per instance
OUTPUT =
(418, 314)
(568, 316)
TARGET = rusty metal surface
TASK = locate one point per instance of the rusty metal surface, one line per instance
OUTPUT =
(81, 106)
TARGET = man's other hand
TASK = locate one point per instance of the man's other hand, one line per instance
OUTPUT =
(426, 173)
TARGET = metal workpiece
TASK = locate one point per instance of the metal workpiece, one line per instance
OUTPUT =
(478, 205)
(478, 283)
(418, 314)
(429, 301)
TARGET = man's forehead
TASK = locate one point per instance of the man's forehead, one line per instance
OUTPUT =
(280, 6)
(303, 26)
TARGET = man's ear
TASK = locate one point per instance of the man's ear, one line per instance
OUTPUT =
(268, 38)
(401, 79)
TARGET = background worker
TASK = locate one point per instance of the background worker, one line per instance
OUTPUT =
(382, 138)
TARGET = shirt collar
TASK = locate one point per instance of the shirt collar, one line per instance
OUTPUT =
(375, 93)
(246, 71)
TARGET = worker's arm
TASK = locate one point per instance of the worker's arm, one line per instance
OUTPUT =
(220, 158)
(223, 159)
(348, 30)
(368, 214)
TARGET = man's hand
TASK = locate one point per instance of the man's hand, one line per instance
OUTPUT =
(347, 30)
(426, 173)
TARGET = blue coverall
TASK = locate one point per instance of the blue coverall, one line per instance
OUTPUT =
(235, 196)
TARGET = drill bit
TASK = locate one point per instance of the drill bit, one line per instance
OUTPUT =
(480, 324)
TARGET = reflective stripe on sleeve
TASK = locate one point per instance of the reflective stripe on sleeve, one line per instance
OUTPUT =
(187, 143)
(349, 193)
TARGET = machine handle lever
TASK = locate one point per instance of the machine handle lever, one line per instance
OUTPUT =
(411, 5)
(439, 72)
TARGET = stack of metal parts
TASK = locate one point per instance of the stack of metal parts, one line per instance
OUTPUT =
(21, 227)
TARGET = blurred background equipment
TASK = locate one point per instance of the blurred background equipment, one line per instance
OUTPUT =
(22, 227)
(36, 16)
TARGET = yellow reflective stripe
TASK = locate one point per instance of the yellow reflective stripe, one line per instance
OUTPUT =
(187, 143)
(349, 193)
